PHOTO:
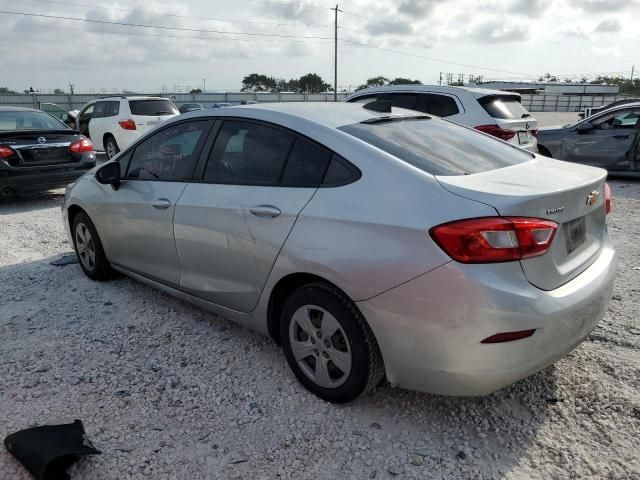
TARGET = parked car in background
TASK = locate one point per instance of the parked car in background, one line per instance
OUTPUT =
(494, 112)
(221, 105)
(62, 114)
(114, 123)
(190, 107)
(365, 242)
(587, 112)
(608, 139)
(39, 152)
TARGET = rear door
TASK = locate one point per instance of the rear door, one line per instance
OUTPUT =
(147, 113)
(608, 143)
(84, 117)
(138, 217)
(509, 114)
(231, 224)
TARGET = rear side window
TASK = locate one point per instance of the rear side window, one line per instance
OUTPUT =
(440, 105)
(504, 108)
(307, 164)
(438, 147)
(112, 109)
(248, 153)
(153, 108)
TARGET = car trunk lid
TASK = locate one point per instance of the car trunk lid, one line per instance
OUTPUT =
(39, 147)
(571, 195)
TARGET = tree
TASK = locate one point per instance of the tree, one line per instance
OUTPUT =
(381, 81)
(256, 82)
(196, 90)
(58, 91)
(312, 83)
(6, 90)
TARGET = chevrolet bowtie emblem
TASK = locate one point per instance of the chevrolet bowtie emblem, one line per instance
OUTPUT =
(592, 198)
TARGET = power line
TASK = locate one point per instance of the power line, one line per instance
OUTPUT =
(173, 15)
(161, 27)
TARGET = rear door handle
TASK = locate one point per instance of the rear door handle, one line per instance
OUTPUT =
(265, 211)
(161, 203)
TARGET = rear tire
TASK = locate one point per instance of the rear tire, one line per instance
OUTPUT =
(111, 147)
(89, 251)
(328, 344)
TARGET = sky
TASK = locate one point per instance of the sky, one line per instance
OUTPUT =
(216, 43)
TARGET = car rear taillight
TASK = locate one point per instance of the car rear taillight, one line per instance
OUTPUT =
(534, 132)
(81, 146)
(607, 198)
(495, 239)
(127, 124)
(496, 131)
(6, 152)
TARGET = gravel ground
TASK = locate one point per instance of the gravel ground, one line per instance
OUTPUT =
(168, 391)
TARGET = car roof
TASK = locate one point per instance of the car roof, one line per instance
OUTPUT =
(4, 108)
(328, 114)
(614, 108)
(127, 97)
(476, 92)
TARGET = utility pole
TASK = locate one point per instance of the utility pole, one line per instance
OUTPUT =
(633, 67)
(204, 85)
(335, 55)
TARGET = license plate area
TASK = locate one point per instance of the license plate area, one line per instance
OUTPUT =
(574, 232)
(523, 138)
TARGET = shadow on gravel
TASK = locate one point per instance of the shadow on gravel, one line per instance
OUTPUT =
(624, 188)
(25, 202)
(103, 351)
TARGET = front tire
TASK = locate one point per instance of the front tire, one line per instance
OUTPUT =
(111, 147)
(89, 251)
(328, 344)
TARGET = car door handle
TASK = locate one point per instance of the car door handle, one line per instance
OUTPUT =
(265, 211)
(161, 204)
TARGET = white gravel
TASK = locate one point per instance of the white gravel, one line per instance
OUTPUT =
(168, 391)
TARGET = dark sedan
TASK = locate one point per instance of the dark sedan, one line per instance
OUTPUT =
(608, 139)
(39, 152)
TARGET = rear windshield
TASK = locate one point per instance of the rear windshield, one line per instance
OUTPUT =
(437, 146)
(29, 121)
(506, 108)
(152, 107)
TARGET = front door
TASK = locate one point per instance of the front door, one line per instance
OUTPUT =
(84, 117)
(231, 226)
(608, 143)
(139, 215)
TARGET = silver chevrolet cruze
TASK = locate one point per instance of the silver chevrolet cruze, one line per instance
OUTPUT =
(367, 241)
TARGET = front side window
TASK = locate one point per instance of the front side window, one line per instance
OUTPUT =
(169, 154)
(87, 113)
(248, 153)
(625, 119)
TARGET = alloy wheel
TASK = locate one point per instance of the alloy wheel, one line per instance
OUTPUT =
(85, 247)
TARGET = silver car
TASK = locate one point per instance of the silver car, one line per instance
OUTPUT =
(368, 242)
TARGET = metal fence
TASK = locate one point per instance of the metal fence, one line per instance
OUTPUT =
(533, 103)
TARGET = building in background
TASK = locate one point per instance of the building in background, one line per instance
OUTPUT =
(549, 88)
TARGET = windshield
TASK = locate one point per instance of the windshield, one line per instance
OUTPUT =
(153, 107)
(26, 120)
(505, 108)
(438, 147)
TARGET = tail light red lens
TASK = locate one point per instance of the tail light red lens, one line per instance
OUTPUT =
(6, 152)
(495, 239)
(127, 124)
(534, 132)
(496, 131)
(81, 146)
(607, 198)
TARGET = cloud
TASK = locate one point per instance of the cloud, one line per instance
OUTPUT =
(609, 25)
(598, 6)
(418, 9)
(576, 32)
(397, 27)
(495, 31)
(528, 8)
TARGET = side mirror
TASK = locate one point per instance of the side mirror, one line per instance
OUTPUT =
(585, 127)
(109, 174)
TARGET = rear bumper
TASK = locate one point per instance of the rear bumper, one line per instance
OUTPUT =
(33, 179)
(429, 329)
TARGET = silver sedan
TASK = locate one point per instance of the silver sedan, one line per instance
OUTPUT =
(367, 241)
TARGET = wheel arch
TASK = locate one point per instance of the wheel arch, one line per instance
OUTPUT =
(282, 290)
(72, 212)
(544, 151)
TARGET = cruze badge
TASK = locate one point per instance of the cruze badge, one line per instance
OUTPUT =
(593, 197)
(42, 140)
(553, 211)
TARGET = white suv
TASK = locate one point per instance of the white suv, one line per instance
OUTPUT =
(495, 112)
(114, 123)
